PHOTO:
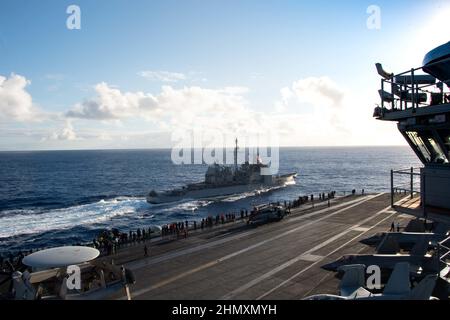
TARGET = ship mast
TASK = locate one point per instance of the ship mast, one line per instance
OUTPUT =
(236, 154)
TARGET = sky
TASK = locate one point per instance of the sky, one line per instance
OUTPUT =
(148, 74)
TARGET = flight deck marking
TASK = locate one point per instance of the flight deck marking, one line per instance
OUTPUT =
(298, 258)
(152, 261)
(360, 229)
(311, 258)
(315, 263)
(270, 273)
(386, 210)
(232, 255)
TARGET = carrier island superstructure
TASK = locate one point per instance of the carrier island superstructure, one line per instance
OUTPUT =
(419, 101)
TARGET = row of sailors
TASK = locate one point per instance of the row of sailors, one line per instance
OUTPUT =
(183, 227)
(306, 199)
(108, 243)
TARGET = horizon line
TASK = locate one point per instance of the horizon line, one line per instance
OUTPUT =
(168, 148)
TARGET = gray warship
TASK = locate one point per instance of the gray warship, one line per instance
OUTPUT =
(223, 181)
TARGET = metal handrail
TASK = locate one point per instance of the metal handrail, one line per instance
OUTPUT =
(414, 88)
(443, 241)
(448, 249)
(442, 257)
(414, 189)
(408, 170)
(408, 174)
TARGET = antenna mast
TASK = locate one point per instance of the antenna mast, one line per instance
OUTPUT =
(236, 154)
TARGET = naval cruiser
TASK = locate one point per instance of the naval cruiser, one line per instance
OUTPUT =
(223, 181)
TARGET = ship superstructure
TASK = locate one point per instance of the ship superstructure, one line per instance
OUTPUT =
(222, 181)
(419, 101)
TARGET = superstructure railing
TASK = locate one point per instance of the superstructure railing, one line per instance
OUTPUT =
(443, 252)
(405, 181)
(411, 90)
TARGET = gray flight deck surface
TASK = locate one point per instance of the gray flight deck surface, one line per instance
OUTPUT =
(280, 260)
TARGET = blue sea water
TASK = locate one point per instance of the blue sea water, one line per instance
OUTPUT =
(52, 198)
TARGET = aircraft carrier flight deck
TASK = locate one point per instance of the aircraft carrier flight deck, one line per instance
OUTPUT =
(280, 260)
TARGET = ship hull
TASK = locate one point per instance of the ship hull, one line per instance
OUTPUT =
(220, 192)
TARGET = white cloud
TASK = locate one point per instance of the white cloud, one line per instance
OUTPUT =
(66, 133)
(15, 102)
(334, 116)
(224, 110)
(319, 112)
(111, 104)
(322, 95)
(317, 91)
(286, 95)
(186, 105)
(163, 76)
(104, 136)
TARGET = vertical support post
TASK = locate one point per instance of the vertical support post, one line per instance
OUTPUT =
(403, 102)
(413, 91)
(412, 182)
(423, 192)
(392, 188)
(400, 88)
(392, 93)
(438, 260)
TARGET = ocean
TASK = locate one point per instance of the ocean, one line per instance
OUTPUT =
(52, 198)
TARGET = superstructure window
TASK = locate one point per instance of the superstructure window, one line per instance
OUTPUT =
(429, 147)
(437, 154)
(420, 145)
(445, 136)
